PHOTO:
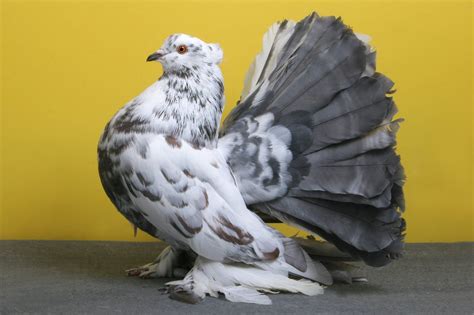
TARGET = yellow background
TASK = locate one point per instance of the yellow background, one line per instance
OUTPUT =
(67, 66)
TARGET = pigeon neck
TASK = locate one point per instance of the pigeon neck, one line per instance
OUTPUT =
(193, 103)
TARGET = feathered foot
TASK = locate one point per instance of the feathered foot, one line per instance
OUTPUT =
(184, 293)
(171, 263)
(237, 282)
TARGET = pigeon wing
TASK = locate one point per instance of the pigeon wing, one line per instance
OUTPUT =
(189, 194)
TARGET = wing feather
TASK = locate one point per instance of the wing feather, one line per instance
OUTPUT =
(190, 195)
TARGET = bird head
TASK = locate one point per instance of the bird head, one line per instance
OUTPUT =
(181, 50)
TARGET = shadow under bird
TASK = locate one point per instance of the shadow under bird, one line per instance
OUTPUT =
(310, 143)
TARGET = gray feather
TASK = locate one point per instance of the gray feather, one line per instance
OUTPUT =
(338, 68)
(367, 175)
(322, 251)
(352, 113)
(367, 230)
(346, 180)
(380, 138)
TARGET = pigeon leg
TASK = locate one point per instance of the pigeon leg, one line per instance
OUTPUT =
(171, 263)
(184, 293)
(187, 290)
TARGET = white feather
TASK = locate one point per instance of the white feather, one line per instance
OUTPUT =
(273, 41)
(241, 282)
(245, 295)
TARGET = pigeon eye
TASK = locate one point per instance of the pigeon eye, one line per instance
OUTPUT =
(182, 49)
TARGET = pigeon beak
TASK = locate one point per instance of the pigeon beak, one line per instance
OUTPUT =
(155, 56)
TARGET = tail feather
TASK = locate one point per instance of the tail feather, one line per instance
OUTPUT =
(380, 138)
(374, 258)
(366, 228)
(334, 69)
(352, 113)
(335, 171)
(367, 175)
(322, 251)
(265, 62)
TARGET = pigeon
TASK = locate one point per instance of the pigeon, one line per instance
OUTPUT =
(311, 143)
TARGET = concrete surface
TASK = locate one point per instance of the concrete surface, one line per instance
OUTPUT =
(62, 277)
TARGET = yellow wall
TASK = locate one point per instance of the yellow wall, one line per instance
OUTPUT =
(67, 66)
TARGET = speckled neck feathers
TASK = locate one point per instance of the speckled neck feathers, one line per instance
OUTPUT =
(194, 100)
(185, 103)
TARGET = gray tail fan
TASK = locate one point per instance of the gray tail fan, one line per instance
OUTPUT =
(339, 175)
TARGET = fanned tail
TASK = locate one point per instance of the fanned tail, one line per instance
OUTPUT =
(312, 142)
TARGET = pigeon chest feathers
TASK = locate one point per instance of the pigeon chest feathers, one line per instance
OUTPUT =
(185, 105)
(143, 145)
(194, 99)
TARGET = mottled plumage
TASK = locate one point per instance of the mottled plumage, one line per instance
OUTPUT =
(311, 143)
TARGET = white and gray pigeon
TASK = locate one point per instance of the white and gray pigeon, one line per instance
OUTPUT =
(310, 143)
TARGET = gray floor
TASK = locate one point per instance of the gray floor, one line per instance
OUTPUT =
(87, 277)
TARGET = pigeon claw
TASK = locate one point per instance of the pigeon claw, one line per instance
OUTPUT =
(144, 272)
(183, 294)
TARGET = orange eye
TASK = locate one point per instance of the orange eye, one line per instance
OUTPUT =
(182, 49)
